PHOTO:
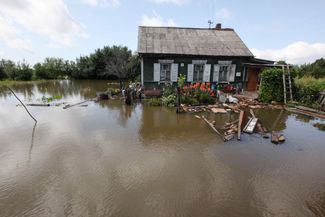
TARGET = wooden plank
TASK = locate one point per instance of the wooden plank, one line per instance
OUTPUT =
(250, 126)
(79, 103)
(240, 121)
(304, 108)
(38, 104)
(252, 113)
(311, 114)
(211, 125)
(218, 110)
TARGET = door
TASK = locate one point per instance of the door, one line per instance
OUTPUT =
(252, 82)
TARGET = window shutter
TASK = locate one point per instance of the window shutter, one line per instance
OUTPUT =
(190, 69)
(156, 72)
(232, 73)
(174, 72)
(216, 71)
(207, 72)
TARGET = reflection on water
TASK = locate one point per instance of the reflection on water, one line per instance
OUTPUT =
(109, 159)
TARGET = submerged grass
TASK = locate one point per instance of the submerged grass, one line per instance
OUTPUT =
(12, 82)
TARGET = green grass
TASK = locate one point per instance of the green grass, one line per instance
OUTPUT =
(11, 82)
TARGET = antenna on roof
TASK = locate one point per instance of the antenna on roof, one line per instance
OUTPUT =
(210, 23)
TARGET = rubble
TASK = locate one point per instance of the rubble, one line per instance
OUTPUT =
(248, 119)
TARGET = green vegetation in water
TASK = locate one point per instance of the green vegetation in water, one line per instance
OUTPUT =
(154, 102)
(169, 101)
(320, 126)
(169, 96)
(50, 99)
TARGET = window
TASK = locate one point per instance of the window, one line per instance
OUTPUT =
(198, 72)
(165, 71)
(224, 73)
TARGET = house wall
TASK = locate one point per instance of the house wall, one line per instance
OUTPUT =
(183, 62)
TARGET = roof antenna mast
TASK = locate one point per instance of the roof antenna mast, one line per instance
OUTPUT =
(210, 23)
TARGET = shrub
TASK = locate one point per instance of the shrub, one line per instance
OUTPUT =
(201, 91)
(188, 100)
(169, 100)
(271, 85)
(205, 98)
(309, 88)
(181, 81)
(168, 90)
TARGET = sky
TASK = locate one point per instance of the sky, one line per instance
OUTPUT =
(32, 30)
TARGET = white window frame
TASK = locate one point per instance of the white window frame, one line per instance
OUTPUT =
(222, 73)
(165, 72)
(196, 77)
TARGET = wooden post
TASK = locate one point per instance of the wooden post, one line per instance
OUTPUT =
(240, 121)
(284, 85)
(178, 99)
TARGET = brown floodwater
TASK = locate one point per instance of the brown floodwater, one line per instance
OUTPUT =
(109, 159)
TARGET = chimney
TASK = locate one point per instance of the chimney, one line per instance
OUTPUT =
(218, 26)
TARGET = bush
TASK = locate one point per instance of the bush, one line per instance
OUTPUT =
(205, 98)
(271, 85)
(188, 100)
(202, 92)
(169, 100)
(168, 90)
(181, 81)
(309, 88)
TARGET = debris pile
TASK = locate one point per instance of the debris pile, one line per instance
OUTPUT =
(242, 103)
(247, 121)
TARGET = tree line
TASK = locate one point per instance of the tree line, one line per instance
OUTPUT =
(114, 63)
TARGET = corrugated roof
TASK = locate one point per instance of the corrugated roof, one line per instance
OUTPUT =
(191, 41)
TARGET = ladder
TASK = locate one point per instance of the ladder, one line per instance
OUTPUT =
(287, 86)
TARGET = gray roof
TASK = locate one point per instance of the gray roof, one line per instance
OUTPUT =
(191, 41)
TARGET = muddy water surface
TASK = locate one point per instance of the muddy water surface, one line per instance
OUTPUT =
(108, 159)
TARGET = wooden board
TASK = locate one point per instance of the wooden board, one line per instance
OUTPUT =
(218, 110)
(240, 121)
(250, 126)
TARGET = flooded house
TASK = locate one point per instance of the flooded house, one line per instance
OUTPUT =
(215, 55)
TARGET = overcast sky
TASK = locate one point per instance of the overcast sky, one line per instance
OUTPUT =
(34, 29)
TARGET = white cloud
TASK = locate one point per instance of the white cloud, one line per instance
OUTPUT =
(177, 2)
(156, 20)
(102, 3)
(50, 18)
(296, 53)
(12, 37)
(223, 14)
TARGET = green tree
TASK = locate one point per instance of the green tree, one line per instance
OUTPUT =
(3, 74)
(23, 72)
(316, 69)
(9, 68)
(117, 64)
